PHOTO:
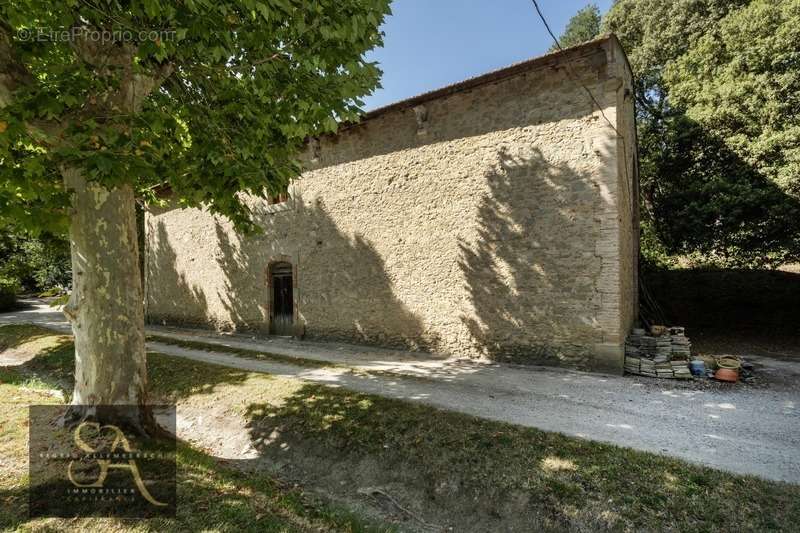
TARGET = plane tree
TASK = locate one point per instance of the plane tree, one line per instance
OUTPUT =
(103, 102)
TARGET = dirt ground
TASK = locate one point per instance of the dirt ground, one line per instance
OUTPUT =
(774, 354)
(761, 342)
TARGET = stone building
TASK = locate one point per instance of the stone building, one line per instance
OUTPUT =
(494, 217)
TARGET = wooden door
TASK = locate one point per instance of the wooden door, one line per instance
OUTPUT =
(282, 308)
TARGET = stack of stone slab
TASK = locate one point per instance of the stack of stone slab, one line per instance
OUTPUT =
(680, 343)
(664, 355)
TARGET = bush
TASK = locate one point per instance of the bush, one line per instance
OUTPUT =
(38, 263)
(61, 300)
(8, 294)
(652, 252)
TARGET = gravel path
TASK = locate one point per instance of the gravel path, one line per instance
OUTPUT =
(741, 428)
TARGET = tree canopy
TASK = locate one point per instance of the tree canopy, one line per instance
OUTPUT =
(717, 114)
(742, 81)
(583, 26)
(223, 93)
(104, 101)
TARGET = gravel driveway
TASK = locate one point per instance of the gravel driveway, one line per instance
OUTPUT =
(747, 429)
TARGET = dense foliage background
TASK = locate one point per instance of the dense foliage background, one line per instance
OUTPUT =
(718, 116)
(32, 263)
(719, 127)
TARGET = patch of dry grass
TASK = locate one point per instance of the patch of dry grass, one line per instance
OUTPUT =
(211, 495)
(467, 469)
(451, 469)
(250, 354)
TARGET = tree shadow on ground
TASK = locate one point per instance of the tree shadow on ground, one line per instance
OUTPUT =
(433, 469)
(426, 469)
(42, 357)
(51, 363)
(14, 335)
(174, 378)
(211, 493)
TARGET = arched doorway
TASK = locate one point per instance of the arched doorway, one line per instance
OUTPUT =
(281, 309)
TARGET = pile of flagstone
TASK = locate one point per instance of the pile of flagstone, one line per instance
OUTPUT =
(662, 353)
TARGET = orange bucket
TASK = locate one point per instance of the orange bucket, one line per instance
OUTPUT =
(727, 374)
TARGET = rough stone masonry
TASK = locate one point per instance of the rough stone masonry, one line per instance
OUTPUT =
(495, 217)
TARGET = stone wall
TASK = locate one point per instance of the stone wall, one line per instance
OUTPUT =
(493, 218)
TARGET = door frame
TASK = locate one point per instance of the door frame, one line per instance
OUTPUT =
(270, 294)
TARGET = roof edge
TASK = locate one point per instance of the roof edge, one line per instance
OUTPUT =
(483, 79)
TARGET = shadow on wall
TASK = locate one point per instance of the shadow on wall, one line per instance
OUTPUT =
(175, 299)
(531, 276)
(343, 289)
(346, 292)
(244, 294)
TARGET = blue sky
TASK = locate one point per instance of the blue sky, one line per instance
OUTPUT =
(432, 43)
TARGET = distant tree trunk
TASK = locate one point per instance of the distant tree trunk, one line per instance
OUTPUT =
(105, 308)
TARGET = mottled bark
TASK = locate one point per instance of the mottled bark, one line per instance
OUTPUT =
(105, 307)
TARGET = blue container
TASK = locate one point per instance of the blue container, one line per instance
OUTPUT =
(698, 367)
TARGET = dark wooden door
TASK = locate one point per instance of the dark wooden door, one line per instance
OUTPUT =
(282, 309)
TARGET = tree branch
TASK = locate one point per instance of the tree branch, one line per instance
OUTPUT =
(13, 73)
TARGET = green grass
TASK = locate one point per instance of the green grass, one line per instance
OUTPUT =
(573, 482)
(242, 352)
(211, 495)
(449, 468)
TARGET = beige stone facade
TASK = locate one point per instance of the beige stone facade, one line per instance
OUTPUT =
(496, 217)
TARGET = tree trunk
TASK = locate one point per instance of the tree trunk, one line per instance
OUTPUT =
(105, 307)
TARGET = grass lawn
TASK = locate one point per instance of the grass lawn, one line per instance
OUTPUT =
(408, 464)
(211, 496)
(251, 354)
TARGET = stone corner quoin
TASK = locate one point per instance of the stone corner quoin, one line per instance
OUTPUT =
(495, 217)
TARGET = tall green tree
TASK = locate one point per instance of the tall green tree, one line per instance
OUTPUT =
(102, 102)
(583, 26)
(742, 81)
(701, 195)
(656, 32)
